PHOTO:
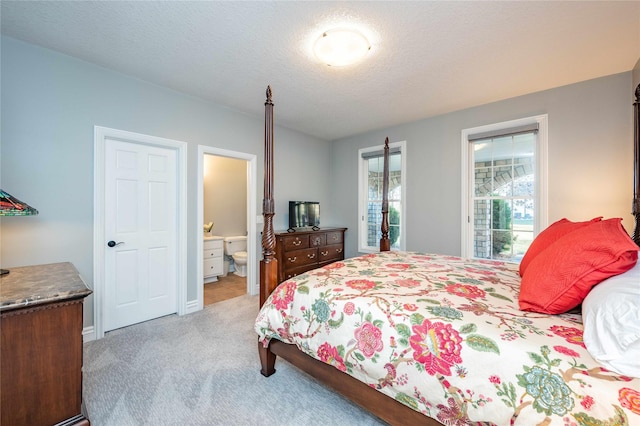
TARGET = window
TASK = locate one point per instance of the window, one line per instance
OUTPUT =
(504, 188)
(371, 165)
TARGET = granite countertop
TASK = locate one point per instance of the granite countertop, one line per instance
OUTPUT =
(39, 284)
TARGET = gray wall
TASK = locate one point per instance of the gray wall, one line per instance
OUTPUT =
(50, 103)
(225, 195)
(590, 160)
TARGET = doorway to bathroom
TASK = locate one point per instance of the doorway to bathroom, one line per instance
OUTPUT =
(227, 225)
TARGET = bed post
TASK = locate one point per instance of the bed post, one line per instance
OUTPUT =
(385, 243)
(636, 167)
(268, 264)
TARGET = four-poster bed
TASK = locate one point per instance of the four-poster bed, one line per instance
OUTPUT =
(453, 323)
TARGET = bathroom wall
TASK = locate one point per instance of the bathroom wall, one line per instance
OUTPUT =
(225, 195)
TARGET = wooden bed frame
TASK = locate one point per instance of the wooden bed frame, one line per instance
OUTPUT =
(375, 402)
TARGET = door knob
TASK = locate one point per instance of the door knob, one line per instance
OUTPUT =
(113, 243)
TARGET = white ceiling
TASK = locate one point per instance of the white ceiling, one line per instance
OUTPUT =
(427, 58)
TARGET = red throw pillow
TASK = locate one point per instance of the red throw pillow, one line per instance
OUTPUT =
(560, 277)
(547, 237)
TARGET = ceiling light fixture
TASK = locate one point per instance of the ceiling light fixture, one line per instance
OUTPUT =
(340, 47)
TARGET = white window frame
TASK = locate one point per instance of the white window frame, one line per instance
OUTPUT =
(363, 190)
(541, 201)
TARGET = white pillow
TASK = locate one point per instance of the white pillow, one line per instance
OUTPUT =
(611, 318)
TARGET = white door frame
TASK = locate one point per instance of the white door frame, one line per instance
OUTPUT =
(252, 282)
(99, 237)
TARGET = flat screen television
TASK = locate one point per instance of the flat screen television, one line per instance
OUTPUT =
(303, 214)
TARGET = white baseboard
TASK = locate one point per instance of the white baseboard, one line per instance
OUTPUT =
(192, 306)
(88, 334)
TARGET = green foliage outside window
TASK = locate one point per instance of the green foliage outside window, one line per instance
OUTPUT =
(394, 225)
(501, 220)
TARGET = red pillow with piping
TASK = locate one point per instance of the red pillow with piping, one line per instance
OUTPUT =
(561, 276)
(551, 234)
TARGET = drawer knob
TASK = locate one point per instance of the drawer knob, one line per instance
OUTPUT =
(324, 253)
(339, 250)
(297, 243)
(311, 255)
(292, 259)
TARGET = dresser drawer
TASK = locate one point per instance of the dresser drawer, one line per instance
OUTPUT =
(210, 253)
(213, 267)
(334, 238)
(296, 258)
(317, 240)
(329, 253)
(295, 242)
(212, 244)
(293, 272)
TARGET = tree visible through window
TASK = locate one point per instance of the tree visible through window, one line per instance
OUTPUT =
(504, 192)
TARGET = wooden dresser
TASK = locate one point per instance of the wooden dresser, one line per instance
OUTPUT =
(301, 251)
(41, 346)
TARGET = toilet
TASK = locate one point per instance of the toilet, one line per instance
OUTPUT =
(236, 247)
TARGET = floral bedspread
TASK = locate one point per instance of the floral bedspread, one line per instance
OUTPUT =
(444, 336)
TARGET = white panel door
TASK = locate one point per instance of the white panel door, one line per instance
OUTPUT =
(141, 233)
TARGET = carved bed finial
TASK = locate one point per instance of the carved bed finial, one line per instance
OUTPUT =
(638, 93)
(269, 96)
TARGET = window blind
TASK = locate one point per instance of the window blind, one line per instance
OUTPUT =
(380, 153)
(527, 128)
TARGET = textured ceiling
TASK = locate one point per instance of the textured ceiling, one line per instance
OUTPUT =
(427, 58)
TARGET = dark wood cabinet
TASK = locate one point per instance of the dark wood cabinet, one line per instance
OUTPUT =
(41, 346)
(301, 251)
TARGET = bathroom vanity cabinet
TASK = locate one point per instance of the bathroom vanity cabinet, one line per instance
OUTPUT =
(301, 251)
(213, 254)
